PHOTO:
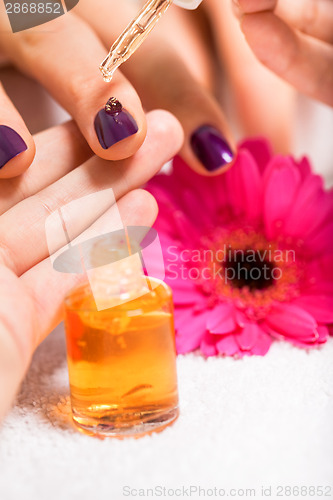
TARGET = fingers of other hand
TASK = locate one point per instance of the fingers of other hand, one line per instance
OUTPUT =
(17, 148)
(164, 81)
(304, 62)
(55, 58)
(312, 17)
(272, 31)
(209, 146)
(251, 85)
(58, 151)
(23, 226)
(251, 6)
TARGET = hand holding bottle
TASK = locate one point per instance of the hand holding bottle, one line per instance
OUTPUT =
(31, 291)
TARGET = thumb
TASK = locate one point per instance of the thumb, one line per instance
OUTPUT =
(16, 347)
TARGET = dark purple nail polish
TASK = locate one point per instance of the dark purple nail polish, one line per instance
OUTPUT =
(11, 144)
(211, 148)
(113, 124)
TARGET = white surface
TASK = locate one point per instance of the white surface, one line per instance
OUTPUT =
(243, 424)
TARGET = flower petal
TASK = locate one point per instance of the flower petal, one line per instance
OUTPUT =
(260, 150)
(322, 336)
(292, 321)
(240, 318)
(208, 345)
(243, 182)
(323, 333)
(323, 217)
(221, 319)
(187, 227)
(320, 287)
(228, 346)
(207, 189)
(262, 345)
(282, 180)
(185, 295)
(319, 276)
(248, 336)
(322, 242)
(306, 207)
(319, 306)
(304, 167)
(190, 331)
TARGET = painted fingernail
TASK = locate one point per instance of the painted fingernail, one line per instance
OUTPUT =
(211, 148)
(11, 145)
(113, 124)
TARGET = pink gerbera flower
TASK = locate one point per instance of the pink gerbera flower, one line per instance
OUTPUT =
(248, 254)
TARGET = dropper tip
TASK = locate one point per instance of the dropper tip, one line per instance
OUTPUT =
(107, 75)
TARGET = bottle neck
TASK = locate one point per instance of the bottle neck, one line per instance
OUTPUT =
(123, 279)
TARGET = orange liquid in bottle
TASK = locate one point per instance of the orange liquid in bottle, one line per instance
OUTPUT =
(122, 363)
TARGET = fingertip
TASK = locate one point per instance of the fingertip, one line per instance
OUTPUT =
(17, 151)
(272, 41)
(210, 152)
(118, 133)
(165, 124)
(117, 126)
(251, 27)
(139, 207)
(252, 6)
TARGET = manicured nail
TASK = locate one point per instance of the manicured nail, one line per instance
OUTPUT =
(211, 148)
(113, 124)
(11, 145)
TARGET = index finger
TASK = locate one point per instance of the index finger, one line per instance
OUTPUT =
(17, 147)
(304, 62)
(251, 6)
(64, 57)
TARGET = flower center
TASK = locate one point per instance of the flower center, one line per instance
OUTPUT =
(249, 269)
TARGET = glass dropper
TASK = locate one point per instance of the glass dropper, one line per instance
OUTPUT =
(133, 36)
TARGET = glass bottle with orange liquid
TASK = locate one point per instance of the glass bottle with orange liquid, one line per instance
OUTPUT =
(121, 354)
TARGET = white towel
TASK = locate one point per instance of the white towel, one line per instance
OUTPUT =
(243, 424)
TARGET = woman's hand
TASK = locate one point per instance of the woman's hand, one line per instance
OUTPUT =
(163, 80)
(31, 291)
(64, 55)
(294, 39)
(261, 103)
(173, 70)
